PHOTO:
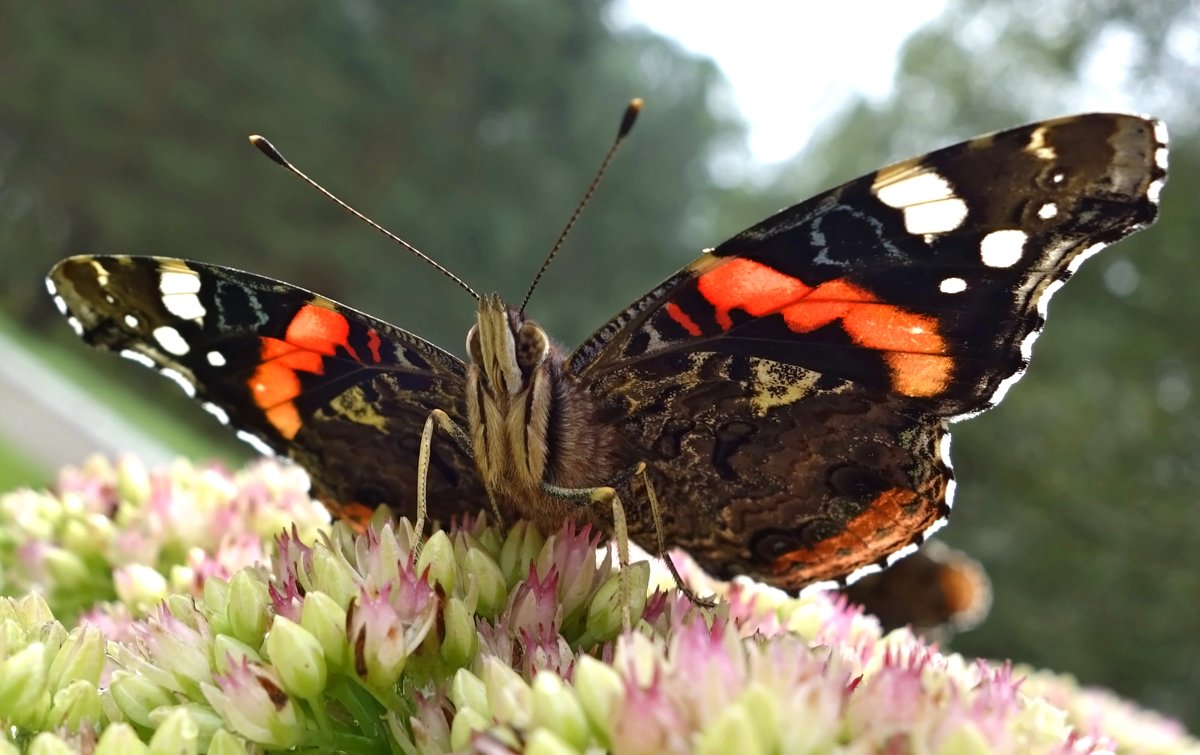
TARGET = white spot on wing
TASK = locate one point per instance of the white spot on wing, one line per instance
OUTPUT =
(944, 450)
(937, 526)
(185, 306)
(216, 359)
(861, 572)
(942, 216)
(139, 357)
(179, 291)
(258, 443)
(927, 199)
(132, 321)
(177, 377)
(919, 189)
(1043, 303)
(1037, 145)
(1160, 157)
(1080, 258)
(61, 303)
(51, 288)
(952, 286)
(1047, 211)
(1002, 248)
(174, 282)
(170, 340)
(1154, 191)
(1160, 132)
(75, 325)
(216, 411)
(907, 550)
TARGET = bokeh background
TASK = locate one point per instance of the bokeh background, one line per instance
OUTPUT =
(471, 127)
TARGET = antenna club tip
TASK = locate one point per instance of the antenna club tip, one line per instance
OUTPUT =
(631, 114)
(268, 149)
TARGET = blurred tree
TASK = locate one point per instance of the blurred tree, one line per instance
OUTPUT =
(470, 127)
(1080, 494)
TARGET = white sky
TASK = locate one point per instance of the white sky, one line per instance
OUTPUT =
(815, 52)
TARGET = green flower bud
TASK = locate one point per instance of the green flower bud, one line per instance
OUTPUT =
(297, 657)
(66, 568)
(248, 602)
(120, 739)
(545, 742)
(605, 614)
(458, 647)
(252, 703)
(438, 557)
(326, 620)
(965, 740)
(178, 734)
(333, 575)
(556, 708)
(137, 697)
(86, 537)
(522, 546)
(509, 697)
(80, 657)
(140, 587)
(23, 682)
(75, 706)
(214, 604)
(49, 744)
(599, 689)
(226, 649)
(732, 730)
(225, 743)
(466, 723)
(206, 720)
(490, 585)
(133, 480)
(469, 691)
(33, 611)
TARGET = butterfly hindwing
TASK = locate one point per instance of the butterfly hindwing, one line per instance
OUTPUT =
(342, 393)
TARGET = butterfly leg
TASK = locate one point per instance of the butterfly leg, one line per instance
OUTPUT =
(656, 514)
(606, 496)
(441, 420)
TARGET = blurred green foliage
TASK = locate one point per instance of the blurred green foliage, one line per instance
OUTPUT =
(472, 127)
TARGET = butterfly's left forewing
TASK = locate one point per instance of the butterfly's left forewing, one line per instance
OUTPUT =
(790, 389)
(343, 394)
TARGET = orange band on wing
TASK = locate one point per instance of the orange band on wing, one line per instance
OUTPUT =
(913, 347)
(681, 317)
(886, 513)
(313, 333)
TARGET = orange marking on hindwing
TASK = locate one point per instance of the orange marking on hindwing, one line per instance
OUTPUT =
(681, 317)
(913, 347)
(313, 333)
(881, 528)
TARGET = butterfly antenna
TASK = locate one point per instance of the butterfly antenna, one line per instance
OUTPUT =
(269, 150)
(631, 114)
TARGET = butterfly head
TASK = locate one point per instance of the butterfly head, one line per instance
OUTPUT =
(505, 346)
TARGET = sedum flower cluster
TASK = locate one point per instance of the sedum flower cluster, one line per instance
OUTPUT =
(190, 610)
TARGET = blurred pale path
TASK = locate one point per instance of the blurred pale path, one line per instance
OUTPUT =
(55, 423)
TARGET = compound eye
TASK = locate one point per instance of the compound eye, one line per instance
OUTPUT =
(474, 350)
(532, 345)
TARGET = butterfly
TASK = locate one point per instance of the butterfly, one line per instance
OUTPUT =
(779, 408)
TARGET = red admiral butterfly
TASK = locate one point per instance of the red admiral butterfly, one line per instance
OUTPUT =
(779, 408)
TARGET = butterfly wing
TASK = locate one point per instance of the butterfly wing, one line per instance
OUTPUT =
(341, 393)
(793, 384)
